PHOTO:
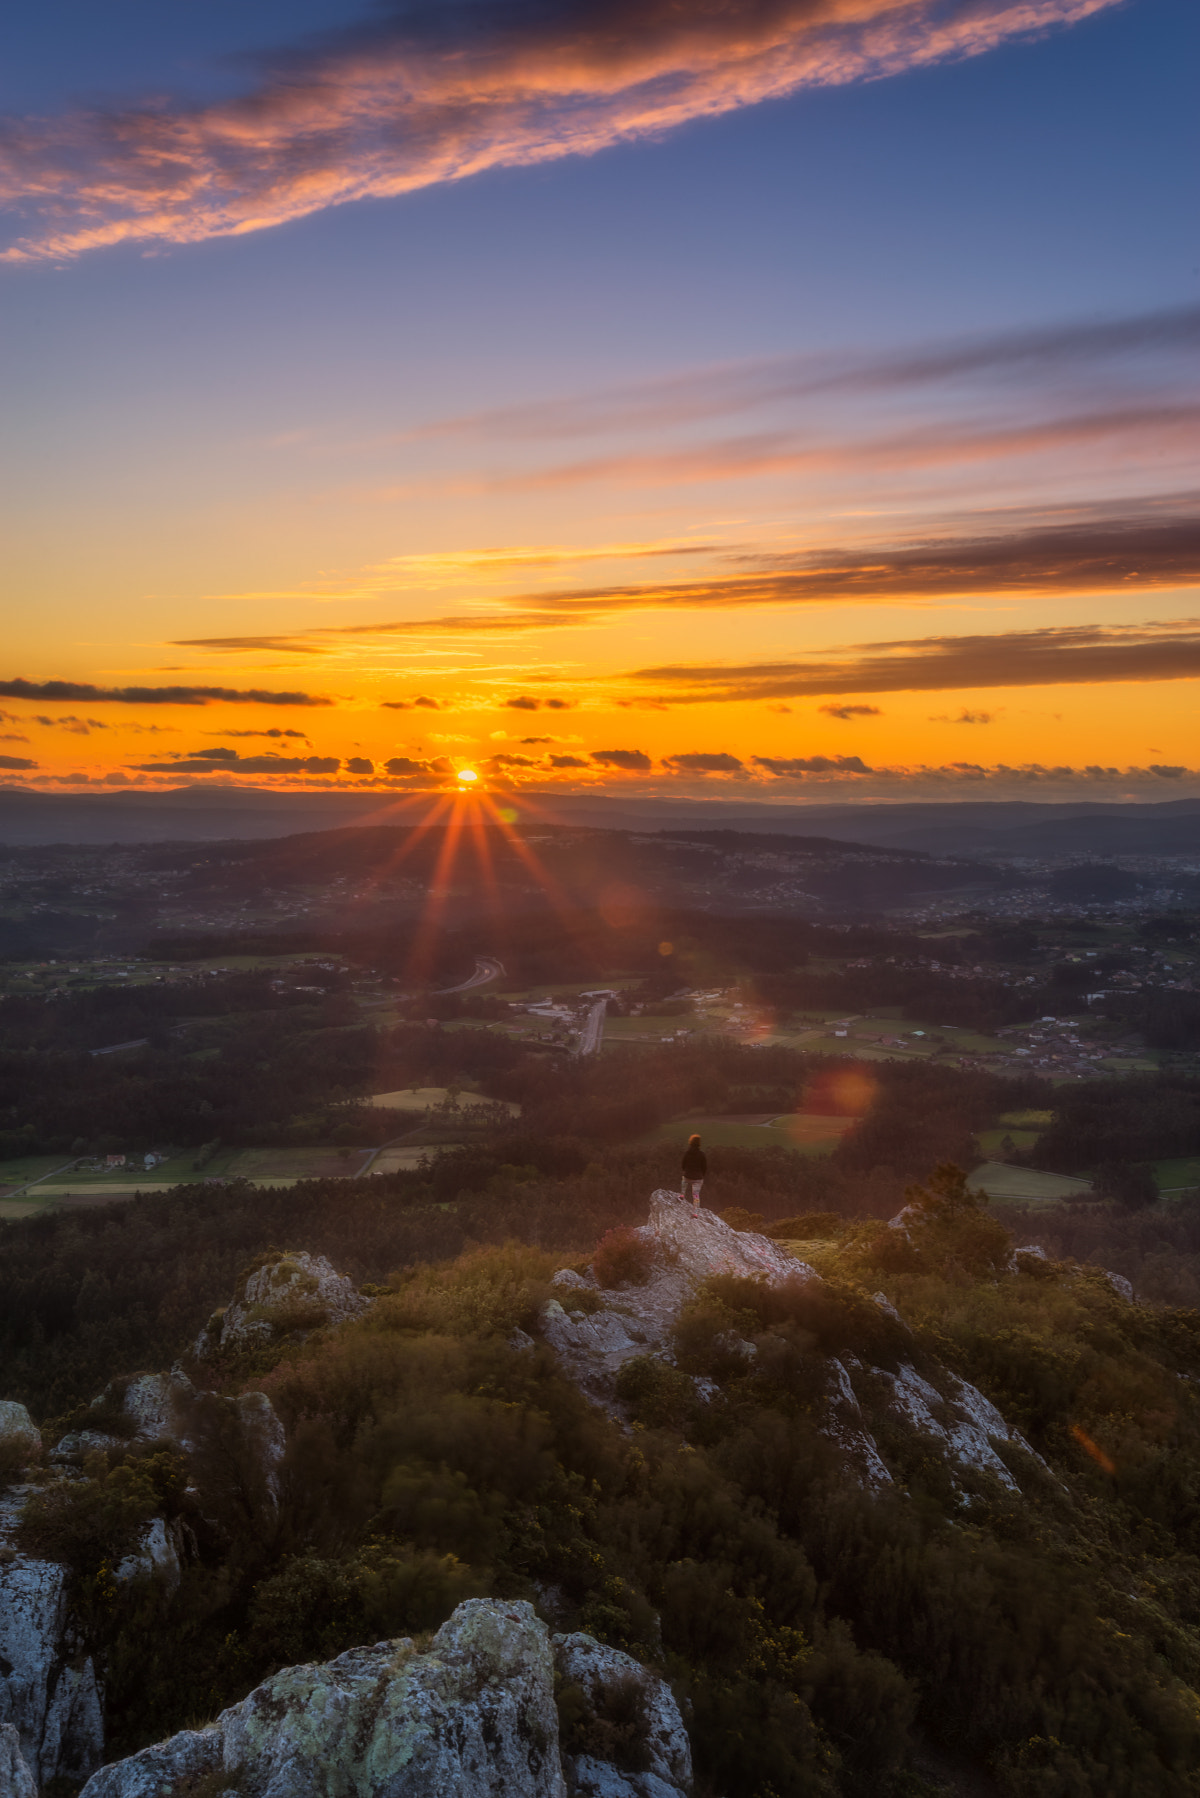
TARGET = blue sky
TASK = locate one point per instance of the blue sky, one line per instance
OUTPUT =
(232, 434)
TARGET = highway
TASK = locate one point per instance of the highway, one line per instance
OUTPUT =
(486, 969)
(592, 1034)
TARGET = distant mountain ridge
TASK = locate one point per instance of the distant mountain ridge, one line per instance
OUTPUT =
(950, 827)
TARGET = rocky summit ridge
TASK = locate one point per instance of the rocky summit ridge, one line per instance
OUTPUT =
(475, 1711)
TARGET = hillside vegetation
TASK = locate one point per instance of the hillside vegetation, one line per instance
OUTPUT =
(814, 1630)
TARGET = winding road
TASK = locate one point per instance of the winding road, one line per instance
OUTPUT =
(487, 968)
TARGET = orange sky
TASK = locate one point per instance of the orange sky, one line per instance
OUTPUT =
(390, 493)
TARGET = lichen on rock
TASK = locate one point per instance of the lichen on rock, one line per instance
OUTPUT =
(473, 1717)
(289, 1292)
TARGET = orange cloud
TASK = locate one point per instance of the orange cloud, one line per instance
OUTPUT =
(1099, 550)
(402, 104)
(1056, 656)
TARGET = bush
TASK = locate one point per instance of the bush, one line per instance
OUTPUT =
(657, 1393)
(623, 1258)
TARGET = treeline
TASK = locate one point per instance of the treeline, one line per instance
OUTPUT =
(1152, 1117)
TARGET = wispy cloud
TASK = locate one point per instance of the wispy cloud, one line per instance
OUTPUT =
(1059, 655)
(415, 99)
(846, 712)
(65, 690)
(229, 761)
(1097, 550)
(1081, 353)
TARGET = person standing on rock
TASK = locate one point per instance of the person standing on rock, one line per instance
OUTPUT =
(695, 1166)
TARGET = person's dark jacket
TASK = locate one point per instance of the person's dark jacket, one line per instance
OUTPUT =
(695, 1164)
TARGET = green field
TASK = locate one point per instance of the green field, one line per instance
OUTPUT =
(1025, 1185)
(28, 1167)
(804, 1132)
(1172, 1176)
(991, 1142)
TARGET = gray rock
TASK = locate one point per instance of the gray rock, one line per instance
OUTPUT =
(16, 1781)
(596, 1669)
(296, 1291)
(566, 1276)
(157, 1555)
(1120, 1285)
(17, 1427)
(472, 1718)
(590, 1778)
(49, 1694)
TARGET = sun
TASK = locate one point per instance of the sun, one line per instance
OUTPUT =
(467, 777)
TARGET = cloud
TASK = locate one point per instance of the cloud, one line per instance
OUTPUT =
(1099, 549)
(632, 760)
(228, 761)
(1059, 655)
(358, 764)
(1031, 356)
(846, 712)
(812, 764)
(411, 99)
(1167, 773)
(703, 764)
(81, 690)
(403, 764)
(1156, 427)
(523, 703)
(273, 732)
(567, 761)
(964, 717)
(407, 705)
(13, 736)
(78, 727)
(16, 762)
(512, 761)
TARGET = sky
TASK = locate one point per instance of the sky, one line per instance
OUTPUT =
(781, 400)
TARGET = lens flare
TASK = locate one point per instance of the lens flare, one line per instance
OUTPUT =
(841, 1092)
(1093, 1449)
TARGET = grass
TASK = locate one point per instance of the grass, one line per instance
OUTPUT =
(1025, 1185)
(27, 1167)
(804, 1132)
(1174, 1175)
(992, 1141)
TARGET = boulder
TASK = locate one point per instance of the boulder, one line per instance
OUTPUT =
(18, 1430)
(49, 1695)
(474, 1717)
(16, 1781)
(665, 1758)
(294, 1292)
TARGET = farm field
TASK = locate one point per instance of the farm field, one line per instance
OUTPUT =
(1025, 1185)
(402, 1159)
(1174, 1176)
(992, 1141)
(18, 1172)
(805, 1132)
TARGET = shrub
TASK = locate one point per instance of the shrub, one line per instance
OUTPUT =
(656, 1393)
(623, 1258)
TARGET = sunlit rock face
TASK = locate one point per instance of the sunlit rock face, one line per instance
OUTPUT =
(49, 1695)
(637, 1320)
(687, 1249)
(601, 1675)
(474, 1717)
(291, 1292)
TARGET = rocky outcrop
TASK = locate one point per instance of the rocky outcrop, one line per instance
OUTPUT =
(293, 1292)
(658, 1761)
(19, 1435)
(49, 1694)
(16, 1781)
(637, 1320)
(474, 1717)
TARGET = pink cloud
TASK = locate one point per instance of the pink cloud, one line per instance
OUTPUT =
(385, 110)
